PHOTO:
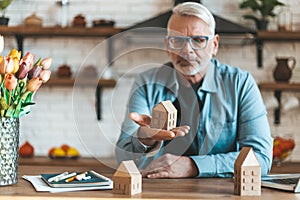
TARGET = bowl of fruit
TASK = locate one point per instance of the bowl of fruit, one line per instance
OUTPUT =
(282, 148)
(64, 151)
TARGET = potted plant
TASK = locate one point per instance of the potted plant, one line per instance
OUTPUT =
(3, 5)
(263, 10)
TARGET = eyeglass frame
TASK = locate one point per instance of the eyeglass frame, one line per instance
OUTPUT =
(188, 39)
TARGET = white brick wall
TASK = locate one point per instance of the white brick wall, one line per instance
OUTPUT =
(51, 121)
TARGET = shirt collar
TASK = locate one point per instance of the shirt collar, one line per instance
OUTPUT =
(209, 83)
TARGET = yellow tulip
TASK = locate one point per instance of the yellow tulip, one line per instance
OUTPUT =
(15, 54)
(16, 65)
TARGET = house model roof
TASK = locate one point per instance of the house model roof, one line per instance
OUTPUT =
(246, 158)
(168, 106)
(127, 168)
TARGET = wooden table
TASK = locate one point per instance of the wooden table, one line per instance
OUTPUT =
(193, 188)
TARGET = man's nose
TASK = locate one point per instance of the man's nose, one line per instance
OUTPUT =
(187, 48)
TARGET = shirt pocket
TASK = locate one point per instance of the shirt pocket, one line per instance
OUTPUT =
(225, 138)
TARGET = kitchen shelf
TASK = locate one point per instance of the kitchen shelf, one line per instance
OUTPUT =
(278, 36)
(69, 82)
(292, 87)
(278, 88)
(21, 32)
(33, 31)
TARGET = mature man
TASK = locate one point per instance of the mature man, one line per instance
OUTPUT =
(220, 109)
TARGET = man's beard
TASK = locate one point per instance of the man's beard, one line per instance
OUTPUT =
(191, 67)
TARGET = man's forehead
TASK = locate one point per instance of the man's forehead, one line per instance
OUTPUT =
(187, 24)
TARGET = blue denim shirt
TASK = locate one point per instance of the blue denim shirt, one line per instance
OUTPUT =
(232, 115)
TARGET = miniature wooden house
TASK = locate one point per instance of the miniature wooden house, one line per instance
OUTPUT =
(247, 174)
(127, 179)
(164, 116)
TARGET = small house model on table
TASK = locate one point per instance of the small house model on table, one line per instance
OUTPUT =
(127, 179)
(247, 174)
(164, 116)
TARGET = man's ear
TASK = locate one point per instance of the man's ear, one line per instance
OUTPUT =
(216, 45)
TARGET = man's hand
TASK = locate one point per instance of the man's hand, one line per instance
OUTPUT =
(171, 166)
(149, 136)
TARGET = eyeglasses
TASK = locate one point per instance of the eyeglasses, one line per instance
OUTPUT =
(196, 42)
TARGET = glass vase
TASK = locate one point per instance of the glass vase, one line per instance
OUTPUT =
(9, 154)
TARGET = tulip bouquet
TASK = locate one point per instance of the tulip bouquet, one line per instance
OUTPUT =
(20, 78)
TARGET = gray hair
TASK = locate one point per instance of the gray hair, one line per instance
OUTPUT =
(197, 10)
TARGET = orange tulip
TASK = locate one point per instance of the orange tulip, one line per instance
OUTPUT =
(10, 82)
(45, 75)
(6, 65)
(34, 84)
(46, 63)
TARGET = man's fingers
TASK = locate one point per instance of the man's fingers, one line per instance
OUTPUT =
(181, 131)
(162, 135)
(159, 172)
(142, 120)
(159, 134)
(155, 134)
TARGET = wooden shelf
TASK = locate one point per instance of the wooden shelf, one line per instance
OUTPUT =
(58, 31)
(278, 35)
(21, 32)
(54, 81)
(280, 86)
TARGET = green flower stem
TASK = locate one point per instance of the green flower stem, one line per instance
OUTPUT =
(9, 98)
(24, 96)
(1, 85)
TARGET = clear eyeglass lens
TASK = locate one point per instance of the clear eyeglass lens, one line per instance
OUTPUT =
(177, 42)
(195, 42)
(198, 42)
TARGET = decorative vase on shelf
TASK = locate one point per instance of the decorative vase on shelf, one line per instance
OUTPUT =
(9, 150)
(283, 71)
(262, 24)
